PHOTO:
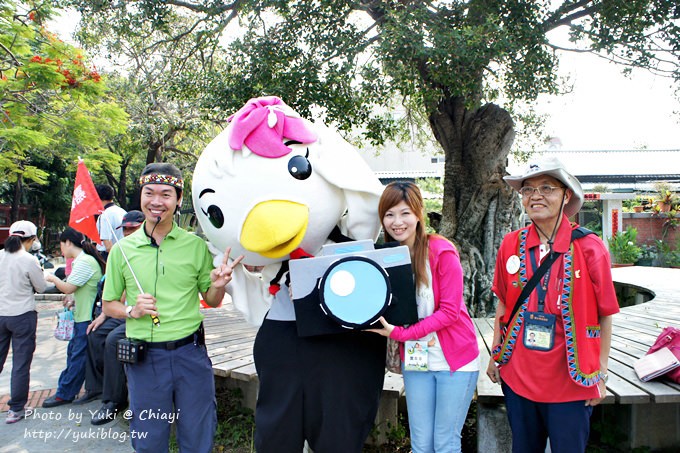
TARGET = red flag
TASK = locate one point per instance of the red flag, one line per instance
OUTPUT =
(85, 204)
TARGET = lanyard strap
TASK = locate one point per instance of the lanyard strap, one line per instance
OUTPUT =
(541, 289)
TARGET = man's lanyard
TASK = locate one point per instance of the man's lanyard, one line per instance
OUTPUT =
(542, 288)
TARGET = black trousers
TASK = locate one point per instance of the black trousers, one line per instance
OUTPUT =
(103, 372)
(325, 389)
(20, 331)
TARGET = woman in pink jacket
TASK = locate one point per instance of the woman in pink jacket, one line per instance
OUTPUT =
(440, 357)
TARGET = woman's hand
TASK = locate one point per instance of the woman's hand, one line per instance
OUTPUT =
(68, 301)
(385, 331)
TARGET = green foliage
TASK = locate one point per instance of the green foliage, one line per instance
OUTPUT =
(53, 102)
(648, 252)
(433, 194)
(623, 246)
(236, 424)
(347, 57)
(609, 436)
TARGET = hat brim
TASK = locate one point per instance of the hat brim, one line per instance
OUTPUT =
(130, 225)
(576, 200)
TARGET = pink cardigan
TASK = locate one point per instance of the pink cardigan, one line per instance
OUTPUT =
(450, 319)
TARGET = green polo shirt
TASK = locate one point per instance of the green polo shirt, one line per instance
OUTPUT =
(85, 274)
(174, 273)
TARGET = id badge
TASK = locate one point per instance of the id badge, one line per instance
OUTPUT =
(539, 331)
(415, 355)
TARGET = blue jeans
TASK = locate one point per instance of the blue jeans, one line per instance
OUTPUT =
(20, 330)
(73, 376)
(438, 403)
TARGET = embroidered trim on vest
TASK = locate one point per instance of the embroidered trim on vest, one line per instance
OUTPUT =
(503, 351)
(587, 380)
(593, 331)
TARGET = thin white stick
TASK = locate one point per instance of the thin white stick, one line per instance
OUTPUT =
(113, 234)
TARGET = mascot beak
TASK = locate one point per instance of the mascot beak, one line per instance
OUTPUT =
(275, 228)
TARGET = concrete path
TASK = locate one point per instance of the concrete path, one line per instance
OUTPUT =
(64, 428)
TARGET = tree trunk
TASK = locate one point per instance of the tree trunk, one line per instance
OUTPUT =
(122, 185)
(479, 208)
(16, 200)
(155, 149)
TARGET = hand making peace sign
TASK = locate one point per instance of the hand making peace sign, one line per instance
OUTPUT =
(221, 275)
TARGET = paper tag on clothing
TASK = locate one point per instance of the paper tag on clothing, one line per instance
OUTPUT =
(539, 331)
(415, 355)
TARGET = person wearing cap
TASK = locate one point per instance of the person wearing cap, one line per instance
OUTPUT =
(109, 221)
(20, 278)
(551, 385)
(131, 222)
(162, 268)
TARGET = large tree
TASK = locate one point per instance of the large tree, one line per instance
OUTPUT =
(53, 107)
(147, 61)
(447, 62)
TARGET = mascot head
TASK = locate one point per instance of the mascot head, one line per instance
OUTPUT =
(273, 184)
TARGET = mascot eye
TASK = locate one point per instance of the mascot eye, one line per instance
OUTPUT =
(299, 167)
(215, 216)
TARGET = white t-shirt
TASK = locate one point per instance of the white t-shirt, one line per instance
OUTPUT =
(435, 356)
(112, 216)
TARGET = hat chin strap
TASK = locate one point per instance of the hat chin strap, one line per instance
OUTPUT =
(551, 238)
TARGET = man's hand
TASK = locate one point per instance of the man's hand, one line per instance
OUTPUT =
(603, 393)
(493, 372)
(221, 275)
(146, 305)
(98, 321)
(386, 329)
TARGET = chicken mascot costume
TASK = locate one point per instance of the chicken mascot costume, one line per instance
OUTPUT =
(275, 187)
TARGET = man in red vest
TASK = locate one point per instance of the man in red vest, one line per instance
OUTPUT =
(551, 348)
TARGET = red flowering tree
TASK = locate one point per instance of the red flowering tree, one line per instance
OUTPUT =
(52, 101)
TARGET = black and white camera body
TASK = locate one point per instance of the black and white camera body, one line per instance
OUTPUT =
(350, 286)
(129, 350)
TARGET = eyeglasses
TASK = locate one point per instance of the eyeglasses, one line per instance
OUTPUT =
(544, 190)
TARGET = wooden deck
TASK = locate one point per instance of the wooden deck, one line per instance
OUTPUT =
(647, 404)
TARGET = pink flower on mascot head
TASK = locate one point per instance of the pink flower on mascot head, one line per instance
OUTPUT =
(262, 125)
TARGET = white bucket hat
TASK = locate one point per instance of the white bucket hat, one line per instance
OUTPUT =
(551, 167)
(23, 228)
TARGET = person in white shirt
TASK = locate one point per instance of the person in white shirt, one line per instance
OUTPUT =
(109, 221)
(20, 278)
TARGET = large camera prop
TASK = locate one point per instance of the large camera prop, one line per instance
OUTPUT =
(350, 285)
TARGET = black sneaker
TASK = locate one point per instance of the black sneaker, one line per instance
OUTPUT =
(87, 397)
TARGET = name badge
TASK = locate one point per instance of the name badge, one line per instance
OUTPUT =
(539, 331)
(415, 355)
(512, 265)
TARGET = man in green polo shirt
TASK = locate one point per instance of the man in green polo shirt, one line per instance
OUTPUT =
(162, 268)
